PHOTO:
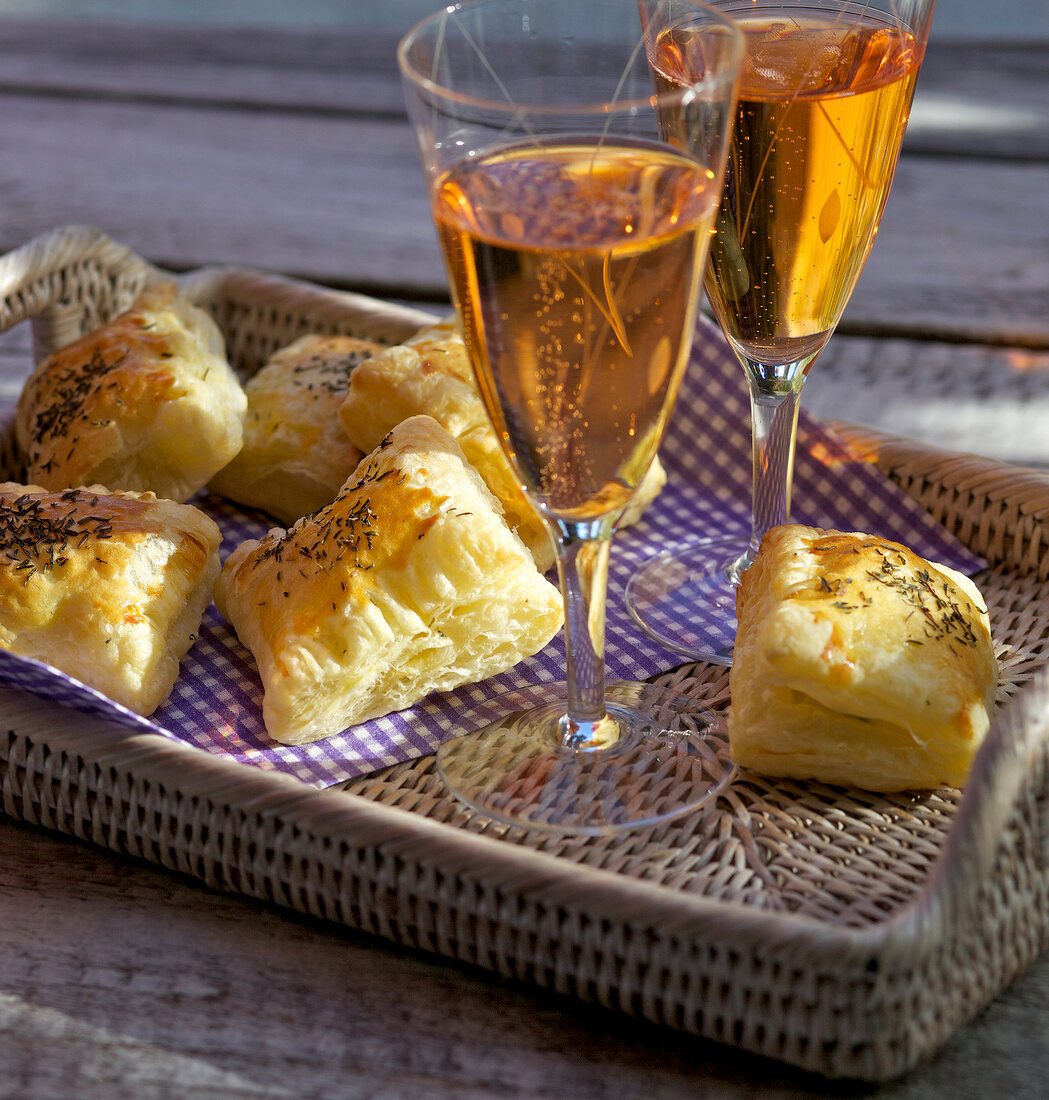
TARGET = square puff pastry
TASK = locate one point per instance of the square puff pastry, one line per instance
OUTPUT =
(859, 663)
(146, 402)
(409, 582)
(107, 587)
(431, 374)
(296, 455)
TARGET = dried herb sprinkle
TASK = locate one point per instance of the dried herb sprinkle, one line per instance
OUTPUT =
(35, 536)
(72, 387)
(934, 608)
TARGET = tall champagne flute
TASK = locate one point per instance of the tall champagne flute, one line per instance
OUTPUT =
(575, 233)
(824, 96)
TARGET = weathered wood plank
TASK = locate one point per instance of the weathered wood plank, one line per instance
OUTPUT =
(972, 100)
(963, 251)
(252, 66)
(122, 982)
(336, 198)
(993, 401)
(982, 100)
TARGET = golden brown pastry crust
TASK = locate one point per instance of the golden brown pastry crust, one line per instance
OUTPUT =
(430, 374)
(409, 582)
(857, 662)
(296, 455)
(146, 402)
(108, 587)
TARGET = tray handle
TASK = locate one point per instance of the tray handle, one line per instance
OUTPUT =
(67, 282)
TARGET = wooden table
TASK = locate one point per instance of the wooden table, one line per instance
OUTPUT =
(290, 151)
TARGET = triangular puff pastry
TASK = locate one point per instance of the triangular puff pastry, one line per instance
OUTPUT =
(409, 582)
(296, 455)
(146, 402)
(107, 587)
(859, 663)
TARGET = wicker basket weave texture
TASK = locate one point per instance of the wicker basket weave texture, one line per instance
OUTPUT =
(841, 932)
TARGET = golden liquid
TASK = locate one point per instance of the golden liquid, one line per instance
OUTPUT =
(821, 115)
(576, 270)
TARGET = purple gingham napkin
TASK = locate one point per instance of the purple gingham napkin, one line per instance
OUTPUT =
(215, 704)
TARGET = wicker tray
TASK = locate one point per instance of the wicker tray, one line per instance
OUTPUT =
(845, 933)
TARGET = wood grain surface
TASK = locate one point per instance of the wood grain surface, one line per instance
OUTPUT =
(122, 982)
(290, 151)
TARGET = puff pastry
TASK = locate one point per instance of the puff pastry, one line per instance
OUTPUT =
(431, 374)
(296, 455)
(107, 587)
(146, 402)
(408, 582)
(858, 662)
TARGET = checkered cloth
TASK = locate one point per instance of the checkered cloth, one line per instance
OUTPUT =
(216, 703)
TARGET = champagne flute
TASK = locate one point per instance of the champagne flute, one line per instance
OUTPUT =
(824, 96)
(575, 232)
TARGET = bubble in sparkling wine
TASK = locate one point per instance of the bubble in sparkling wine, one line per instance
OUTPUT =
(577, 270)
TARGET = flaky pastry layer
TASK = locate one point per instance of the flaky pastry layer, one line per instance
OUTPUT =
(858, 662)
(147, 402)
(409, 582)
(296, 454)
(107, 587)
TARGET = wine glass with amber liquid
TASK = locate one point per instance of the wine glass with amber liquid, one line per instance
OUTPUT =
(574, 222)
(824, 96)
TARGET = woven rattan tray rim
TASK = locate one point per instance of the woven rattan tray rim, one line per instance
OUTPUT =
(337, 815)
(196, 784)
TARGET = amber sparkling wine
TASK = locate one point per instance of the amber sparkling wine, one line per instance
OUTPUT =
(823, 104)
(824, 94)
(577, 268)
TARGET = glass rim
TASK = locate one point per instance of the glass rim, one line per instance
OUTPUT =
(598, 108)
(889, 9)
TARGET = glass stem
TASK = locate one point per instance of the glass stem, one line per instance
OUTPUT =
(774, 415)
(582, 566)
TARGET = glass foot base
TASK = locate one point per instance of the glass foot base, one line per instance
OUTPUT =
(686, 599)
(669, 759)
